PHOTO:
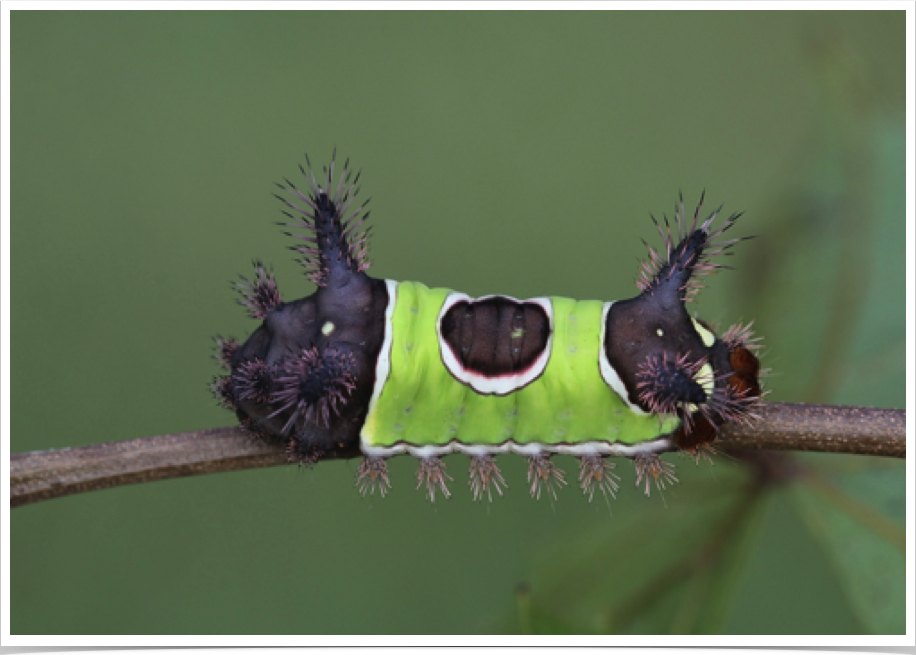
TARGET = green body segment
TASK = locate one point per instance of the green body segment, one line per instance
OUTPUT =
(422, 404)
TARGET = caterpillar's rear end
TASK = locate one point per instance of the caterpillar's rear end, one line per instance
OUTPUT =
(384, 368)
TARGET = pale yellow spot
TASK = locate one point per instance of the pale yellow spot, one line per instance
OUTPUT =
(706, 379)
(327, 328)
(660, 332)
(708, 337)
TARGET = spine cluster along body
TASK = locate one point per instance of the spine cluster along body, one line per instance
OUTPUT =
(380, 368)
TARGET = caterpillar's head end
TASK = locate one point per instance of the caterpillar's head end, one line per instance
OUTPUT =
(670, 363)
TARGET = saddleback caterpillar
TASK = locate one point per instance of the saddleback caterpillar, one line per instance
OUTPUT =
(383, 368)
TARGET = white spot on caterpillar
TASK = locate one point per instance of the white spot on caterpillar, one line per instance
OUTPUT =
(660, 332)
(327, 328)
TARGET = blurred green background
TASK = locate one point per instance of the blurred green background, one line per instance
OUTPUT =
(517, 153)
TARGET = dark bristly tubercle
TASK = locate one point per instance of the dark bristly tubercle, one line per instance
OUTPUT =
(678, 386)
(687, 253)
(311, 385)
(335, 248)
(666, 385)
(254, 381)
(260, 295)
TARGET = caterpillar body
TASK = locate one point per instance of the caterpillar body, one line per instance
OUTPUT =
(383, 368)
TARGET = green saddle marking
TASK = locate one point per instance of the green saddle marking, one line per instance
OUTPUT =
(422, 404)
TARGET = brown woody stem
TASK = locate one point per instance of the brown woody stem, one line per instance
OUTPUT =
(822, 429)
(42, 475)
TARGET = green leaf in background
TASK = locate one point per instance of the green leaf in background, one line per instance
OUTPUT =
(866, 547)
(656, 566)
